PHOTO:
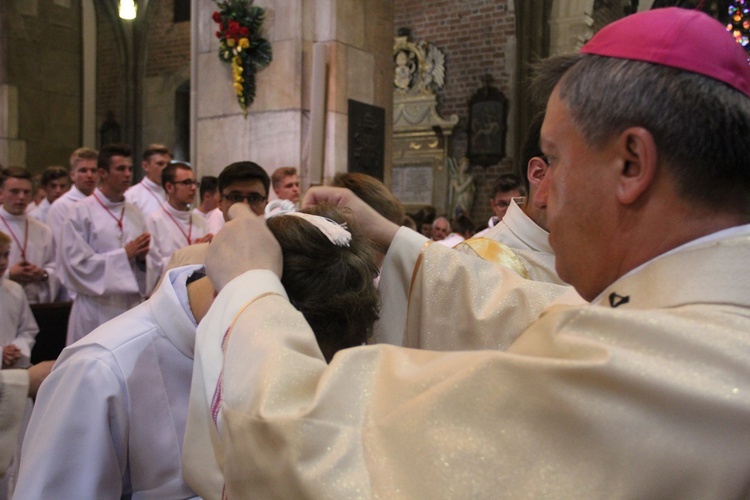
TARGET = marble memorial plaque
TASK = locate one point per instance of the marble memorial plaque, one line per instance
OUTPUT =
(366, 139)
(412, 185)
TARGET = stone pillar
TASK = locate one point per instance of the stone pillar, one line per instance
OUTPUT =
(12, 149)
(570, 25)
(358, 36)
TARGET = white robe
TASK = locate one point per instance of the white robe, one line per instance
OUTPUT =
(168, 236)
(59, 213)
(40, 211)
(451, 240)
(528, 241)
(110, 419)
(40, 251)
(18, 326)
(97, 268)
(14, 394)
(214, 219)
(642, 394)
(147, 196)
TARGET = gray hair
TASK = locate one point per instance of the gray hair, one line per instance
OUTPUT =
(700, 126)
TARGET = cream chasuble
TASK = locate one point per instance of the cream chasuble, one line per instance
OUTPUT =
(642, 394)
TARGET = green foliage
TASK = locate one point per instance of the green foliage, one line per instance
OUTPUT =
(240, 44)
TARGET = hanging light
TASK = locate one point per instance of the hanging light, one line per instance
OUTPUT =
(127, 9)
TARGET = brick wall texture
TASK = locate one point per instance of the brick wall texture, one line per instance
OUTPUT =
(473, 35)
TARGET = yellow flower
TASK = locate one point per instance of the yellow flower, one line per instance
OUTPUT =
(244, 43)
(230, 42)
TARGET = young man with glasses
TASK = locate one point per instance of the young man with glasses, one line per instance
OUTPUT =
(240, 182)
(175, 223)
(244, 182)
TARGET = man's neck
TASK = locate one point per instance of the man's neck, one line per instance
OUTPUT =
(205, 207)
(156, 183)
(200, 297)
(181, 207)
(112, 195)
(84, 191)
(8, 212)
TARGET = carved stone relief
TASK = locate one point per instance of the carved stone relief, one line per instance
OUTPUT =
(421, 136)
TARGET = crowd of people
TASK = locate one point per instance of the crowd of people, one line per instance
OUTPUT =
(592, 343)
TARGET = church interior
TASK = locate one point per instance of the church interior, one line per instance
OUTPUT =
(75, 73)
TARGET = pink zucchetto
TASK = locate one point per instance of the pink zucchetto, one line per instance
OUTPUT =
(676, 37)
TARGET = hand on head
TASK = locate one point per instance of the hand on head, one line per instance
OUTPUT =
(374, 226)
(243, 244)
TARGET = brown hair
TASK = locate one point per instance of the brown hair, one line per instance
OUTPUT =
(4, 239)
(279, 174)
(374, 193)
(16, 173)
(54, 172)
(332, 286)
(156, 149)
(82, 154)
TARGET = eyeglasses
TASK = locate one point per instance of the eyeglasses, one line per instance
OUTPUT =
(188, 182)
(252, 198)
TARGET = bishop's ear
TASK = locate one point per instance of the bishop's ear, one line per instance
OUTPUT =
(638, 151)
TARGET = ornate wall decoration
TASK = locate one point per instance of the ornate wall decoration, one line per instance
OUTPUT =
(240, 26)
(421, 137)
(488, 125)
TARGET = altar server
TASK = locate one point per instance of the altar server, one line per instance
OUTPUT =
(175, 224)
(105, 243)
(149, 194)
(32, 252)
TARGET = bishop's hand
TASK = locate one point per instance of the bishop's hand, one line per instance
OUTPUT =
(375, 227)
(243, 244)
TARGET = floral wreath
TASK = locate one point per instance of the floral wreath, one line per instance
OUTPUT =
(240, 25)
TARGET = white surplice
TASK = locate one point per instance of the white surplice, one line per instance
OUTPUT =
(18, 326)
(170, 229)
(40, 251)
(40, 211)
(59, 212)
(14, 395)
(392, 325)
(96, 266)
(110, 419)
(641, 394)
(147, 196)
(214, 219)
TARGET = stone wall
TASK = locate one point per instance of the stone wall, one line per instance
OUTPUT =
(477, 38)
(356, 35)
(167, 67)
(110, 74)
(40, 91)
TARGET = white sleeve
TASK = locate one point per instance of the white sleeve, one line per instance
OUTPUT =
(394, 284)
(155, 261)
(89, 272)
(14, 391)
(27, 329)
(76, 442)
